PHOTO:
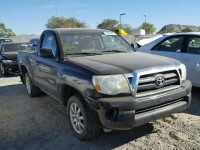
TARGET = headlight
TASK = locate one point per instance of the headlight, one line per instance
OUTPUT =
(183, 72)
(111, 84)
(7, 61)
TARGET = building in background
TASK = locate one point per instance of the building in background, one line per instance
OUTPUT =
(24, 38)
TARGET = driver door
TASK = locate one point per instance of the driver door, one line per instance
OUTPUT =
(47, 68)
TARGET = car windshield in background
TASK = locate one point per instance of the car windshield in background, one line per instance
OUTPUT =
(15, 47)
(5, 40)
(94, 43)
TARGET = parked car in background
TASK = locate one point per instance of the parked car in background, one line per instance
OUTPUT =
(34, 43)
(184, 47)
(5, 40)
(102, 81)
(8, 57)
(145, 41)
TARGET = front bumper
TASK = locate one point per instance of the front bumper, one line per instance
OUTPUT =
(122, 113)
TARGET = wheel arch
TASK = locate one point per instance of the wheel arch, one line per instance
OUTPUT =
(67, 91)
(71, 91)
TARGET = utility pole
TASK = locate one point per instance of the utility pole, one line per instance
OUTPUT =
(56, 11)
(145, 19)
(120, 22)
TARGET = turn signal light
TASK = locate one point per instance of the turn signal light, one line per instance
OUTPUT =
(98, 88)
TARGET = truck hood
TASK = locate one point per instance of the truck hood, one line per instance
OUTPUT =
(119, 63)
(10, 55)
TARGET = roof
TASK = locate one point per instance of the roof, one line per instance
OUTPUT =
(81, 30)
(186, 33)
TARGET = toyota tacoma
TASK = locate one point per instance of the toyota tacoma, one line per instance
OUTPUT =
(102, 81)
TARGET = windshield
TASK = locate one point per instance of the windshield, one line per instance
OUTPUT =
(93, 43)
(15, 47)
(5, 40)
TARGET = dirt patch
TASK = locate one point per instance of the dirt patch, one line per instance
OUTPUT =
(41, 123)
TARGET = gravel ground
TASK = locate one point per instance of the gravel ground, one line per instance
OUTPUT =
(40, 123)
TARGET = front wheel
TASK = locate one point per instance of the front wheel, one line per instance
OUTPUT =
(3, 70)
(32, 90)
(81, 125)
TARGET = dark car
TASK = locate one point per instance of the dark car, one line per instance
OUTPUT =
(8, 57)
(5, 40)
(102, 81)
(34, 43)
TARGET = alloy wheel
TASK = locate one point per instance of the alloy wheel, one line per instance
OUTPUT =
(77, 118)
(28, 84)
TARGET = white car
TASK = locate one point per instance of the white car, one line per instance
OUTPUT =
(184, 47)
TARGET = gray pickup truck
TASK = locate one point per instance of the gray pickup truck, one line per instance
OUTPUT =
(102, 81)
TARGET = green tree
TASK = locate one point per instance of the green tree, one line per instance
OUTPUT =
(149, 28)
(61, 22)
(112, 25)
(108, 24)
(187, 30)
(127, 28)
(4, 32)
(169, 30)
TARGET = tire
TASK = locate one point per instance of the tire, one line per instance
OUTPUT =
(32, 90)
(3, 70)
(82, 127)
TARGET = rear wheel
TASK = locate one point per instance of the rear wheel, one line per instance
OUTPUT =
(81, 125)
(32, 90)
(3, 71)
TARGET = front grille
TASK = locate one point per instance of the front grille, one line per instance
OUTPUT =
(154, 80)
(148, 82)
(14, 60)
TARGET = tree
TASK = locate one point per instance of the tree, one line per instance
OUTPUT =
(149, 28)
(187, 30)
(127, 28)
(112, 25)
(4, 32)
(61, 22)
(169, 30)
(108, 24)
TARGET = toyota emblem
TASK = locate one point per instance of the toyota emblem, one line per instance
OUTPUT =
(160, 81)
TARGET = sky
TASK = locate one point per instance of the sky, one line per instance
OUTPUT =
(30, 16)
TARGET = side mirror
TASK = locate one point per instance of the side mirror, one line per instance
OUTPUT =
(34, 44)
(46, 53)
(135, 46)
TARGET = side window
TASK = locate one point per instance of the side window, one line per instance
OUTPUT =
(49, 41)
(193, 45)
(113, 42)
(173, 44)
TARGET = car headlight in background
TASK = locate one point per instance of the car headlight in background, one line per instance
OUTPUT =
(7, 61)
(183, 72)
(111, 84)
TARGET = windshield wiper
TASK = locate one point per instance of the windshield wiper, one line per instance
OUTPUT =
(85, 53)
(118, 51)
